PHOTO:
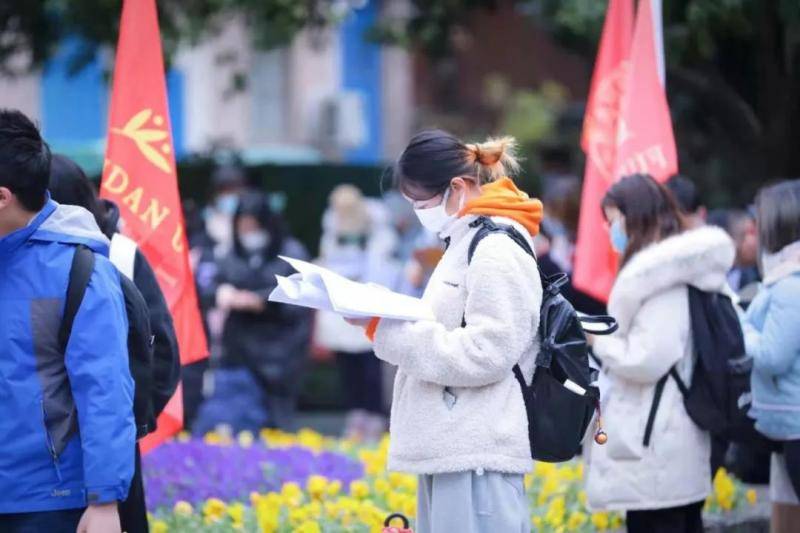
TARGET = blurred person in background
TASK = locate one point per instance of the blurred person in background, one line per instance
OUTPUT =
(661, 484)
(555, 243)
(264, 345)
(772, 339)
(210, 233)
(69, 185)
(685, 193)
(741, 226)
(357, 242)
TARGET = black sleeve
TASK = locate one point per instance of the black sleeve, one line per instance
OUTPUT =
(166, 356)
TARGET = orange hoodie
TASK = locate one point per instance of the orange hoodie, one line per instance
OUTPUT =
(502, 198)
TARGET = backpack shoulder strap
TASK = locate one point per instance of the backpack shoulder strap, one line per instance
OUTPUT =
(487, 227)
(123, 254)
(659, 390)
(79, 274)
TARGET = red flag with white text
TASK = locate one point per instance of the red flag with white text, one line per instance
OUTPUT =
(595, 261)
(139, 174)
(645, 141)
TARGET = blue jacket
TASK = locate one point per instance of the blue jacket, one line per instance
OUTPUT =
(67, 431)
(772, 338)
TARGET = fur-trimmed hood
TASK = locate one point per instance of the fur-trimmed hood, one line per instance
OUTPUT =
(700, 257)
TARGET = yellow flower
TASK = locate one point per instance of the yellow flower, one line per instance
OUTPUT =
(537, 522)
(381, 486)
(751, 496)
(600, 521)
(246, 439)
(528, 481)
(183, 508)
(582, 498)
(556, 511)
(317, 486)
(159, 526)
(576, 520)
(292, 494)
(334, 488)
(359, 489)
(616, 521)
(309, 526)
(410, 508)
(236, 512)
(213, 510)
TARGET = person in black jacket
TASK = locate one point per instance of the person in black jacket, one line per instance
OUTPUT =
(264, 344)
(69, 185)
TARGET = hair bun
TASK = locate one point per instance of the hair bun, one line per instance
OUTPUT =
(495, 158)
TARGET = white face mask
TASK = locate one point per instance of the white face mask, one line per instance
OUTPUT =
(255, 241)
(436, 219)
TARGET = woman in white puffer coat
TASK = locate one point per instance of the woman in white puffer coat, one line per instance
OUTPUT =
(662, 485)
(458, 417)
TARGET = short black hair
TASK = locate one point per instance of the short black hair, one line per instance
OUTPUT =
(24, 159)
(685, 192)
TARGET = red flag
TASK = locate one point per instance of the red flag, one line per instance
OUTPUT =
(595, 261)
(139, 174)
(645, 143)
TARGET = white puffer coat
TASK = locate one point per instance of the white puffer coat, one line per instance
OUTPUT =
(456, 405)
(650, 302)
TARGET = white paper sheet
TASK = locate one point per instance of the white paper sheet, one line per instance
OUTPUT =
(319, 288)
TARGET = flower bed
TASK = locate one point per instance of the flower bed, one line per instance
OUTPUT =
(307, 483)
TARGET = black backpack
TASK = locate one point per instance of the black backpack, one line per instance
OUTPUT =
(140, 336)
(558, 416)
(718, 397)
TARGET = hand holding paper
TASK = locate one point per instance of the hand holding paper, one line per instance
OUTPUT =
(319, 288)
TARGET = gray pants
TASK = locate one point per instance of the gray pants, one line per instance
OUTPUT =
(472, 502)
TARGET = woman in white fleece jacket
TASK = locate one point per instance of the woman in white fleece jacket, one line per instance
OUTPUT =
(458, 417)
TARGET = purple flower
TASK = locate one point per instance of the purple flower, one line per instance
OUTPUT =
(194, 471)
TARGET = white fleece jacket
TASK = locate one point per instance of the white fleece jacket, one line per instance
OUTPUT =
(456, 405)
(650, 302)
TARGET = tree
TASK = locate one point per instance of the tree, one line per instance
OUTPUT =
(733, 76)
(30, 30)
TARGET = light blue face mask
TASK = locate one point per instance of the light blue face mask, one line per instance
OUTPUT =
(227, 203)
(619, 240)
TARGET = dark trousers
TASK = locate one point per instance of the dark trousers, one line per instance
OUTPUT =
(791, 454)
(51, 521)
(133, 511)
(362, 382)
(684, 519)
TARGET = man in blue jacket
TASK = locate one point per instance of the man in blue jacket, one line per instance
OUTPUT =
(67, 429)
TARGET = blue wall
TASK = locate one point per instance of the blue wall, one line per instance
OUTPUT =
(75, 108)
(361, 72)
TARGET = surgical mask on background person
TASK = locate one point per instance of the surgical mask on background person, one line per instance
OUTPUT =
(255, 241)
(619, 240)
(227, 203)
(436, 219)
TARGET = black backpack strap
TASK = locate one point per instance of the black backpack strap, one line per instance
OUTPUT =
(487, 227)
(673, 372)
(659, 390)
(79, 274)
(651, 417)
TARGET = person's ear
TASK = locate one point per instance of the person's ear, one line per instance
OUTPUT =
(5, 197)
